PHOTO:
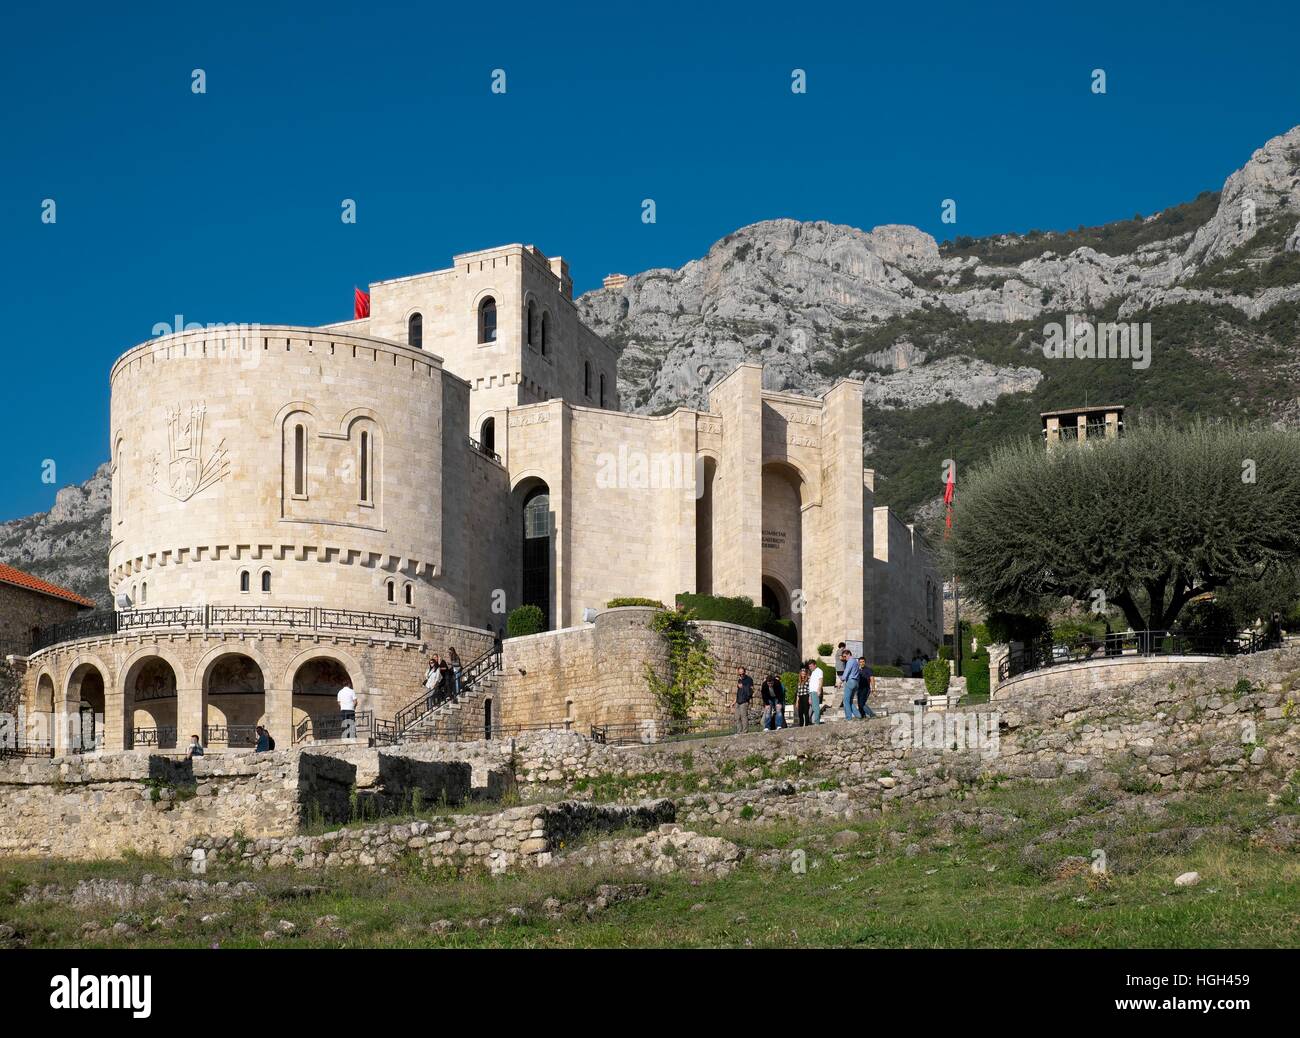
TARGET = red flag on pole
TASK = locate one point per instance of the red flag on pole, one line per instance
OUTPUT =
(949, 489)
(360, 304)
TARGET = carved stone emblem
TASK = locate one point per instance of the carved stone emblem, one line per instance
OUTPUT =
(185, 471)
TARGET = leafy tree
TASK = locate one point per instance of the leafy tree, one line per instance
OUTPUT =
(1144, 523)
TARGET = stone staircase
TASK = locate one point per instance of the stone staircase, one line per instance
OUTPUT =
(448, 718)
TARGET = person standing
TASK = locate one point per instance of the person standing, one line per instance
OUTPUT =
(815, 680)
(454, 659)
(347, 698)
(849, 685)
(744, 693)
(767, 695)
(432, 677)
(865, 687)
(802, 706)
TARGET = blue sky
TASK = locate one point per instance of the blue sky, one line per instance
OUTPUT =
(225, 206)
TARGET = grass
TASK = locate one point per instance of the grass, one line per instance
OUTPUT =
(965, 888)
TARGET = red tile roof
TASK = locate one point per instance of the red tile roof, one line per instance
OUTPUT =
(16, 577)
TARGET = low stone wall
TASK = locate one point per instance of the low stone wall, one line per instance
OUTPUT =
(99, 807)
(1094, 675)
(104, 806)
(517, 837)
(1236, 721)
(594, 674)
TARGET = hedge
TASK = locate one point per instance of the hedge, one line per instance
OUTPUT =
(632, 600)
(740, 611)
(524, 620)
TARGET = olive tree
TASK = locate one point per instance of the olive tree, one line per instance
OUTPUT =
(1143, 523)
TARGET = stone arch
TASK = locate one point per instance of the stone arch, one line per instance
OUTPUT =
(785, 499)
(151, 684)
(317, 677)
(535, 525)
(350, 663)
(706, 473)
(232, 682)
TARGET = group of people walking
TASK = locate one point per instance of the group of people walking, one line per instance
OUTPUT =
(442, 679)
(852, 676)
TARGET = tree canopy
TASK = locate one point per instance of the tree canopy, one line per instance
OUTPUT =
(1143, 523)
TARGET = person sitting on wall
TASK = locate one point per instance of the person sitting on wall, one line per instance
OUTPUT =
(773, 693)
(196, 747)
(264, 741)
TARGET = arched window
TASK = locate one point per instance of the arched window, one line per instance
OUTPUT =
(300, 460)
(266, 581)
(586, 378)
(409, 594)
(602, 389)
(144, 592)
(487, 320)
(415, 331)
(243, 581)
(488, 437)
(531, 324)
(391, 592)
(546, 331)
(364, 468)
(537, 550)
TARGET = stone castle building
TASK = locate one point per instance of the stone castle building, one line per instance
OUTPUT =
(299, 507)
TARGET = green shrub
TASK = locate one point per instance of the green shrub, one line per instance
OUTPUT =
(886, 670)
(523, 620)
(937, 676)
(790, 680)
(785, 629)
(740, 611)
(977, 679)
(828, 676)
(632, 600)
(824, 649)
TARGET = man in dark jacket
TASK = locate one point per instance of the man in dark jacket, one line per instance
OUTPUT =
(263, 740)
(744, 693)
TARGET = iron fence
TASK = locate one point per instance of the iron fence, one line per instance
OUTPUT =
(163, 737)
(429, 700)
(1043, 654)
(332, 727)
(212, 617)
(232, 736)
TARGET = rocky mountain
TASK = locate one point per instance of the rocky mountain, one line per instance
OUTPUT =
(948, 338)
(67, 545)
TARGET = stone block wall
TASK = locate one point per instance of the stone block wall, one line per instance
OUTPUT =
(100, 807)
(517, 837)
(1094, 675)
(594, 674)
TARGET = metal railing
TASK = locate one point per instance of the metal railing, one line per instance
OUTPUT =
(210, 617)
(332, 727)
(163, 737)
(1040, 655)
(232, 736)
(25, 749)
(652, 730)
(487, 452)
(428, 701)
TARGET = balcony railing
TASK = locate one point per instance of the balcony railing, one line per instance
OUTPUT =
(1131, 643)
(487, 452)
(215, 617)
(333, 727)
